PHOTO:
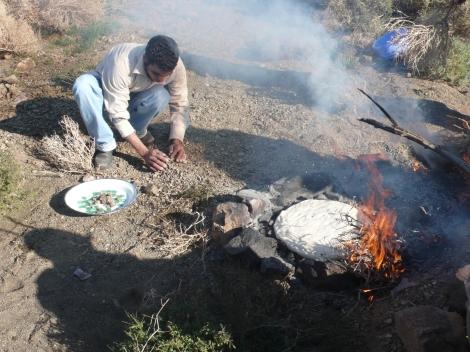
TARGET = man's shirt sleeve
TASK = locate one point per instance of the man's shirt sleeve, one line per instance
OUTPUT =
(116, 80)
(179, 104)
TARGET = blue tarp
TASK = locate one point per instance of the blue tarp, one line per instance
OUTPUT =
(385, 48)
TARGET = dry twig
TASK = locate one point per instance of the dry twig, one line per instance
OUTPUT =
(155, 324)
(179, 241)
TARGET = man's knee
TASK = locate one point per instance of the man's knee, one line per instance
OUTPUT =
(85, 85)
(155, 100)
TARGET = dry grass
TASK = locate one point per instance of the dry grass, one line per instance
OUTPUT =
(363, 18)
(57, 15)
(16, 35)
(69, 152)
(175, 240)
(418, 42)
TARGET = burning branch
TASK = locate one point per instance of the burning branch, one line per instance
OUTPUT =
(399, 131)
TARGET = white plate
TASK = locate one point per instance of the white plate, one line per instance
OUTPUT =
(83, 197)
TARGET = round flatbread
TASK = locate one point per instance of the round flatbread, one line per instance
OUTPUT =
(315, 228)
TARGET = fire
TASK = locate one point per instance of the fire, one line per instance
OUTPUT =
(379, 238)
(466, 158)
(417, 166)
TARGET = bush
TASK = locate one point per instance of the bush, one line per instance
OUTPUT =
(141, 337)
(16, 34)
(457, 70)
(365, 16)
(57, 15)
(9, 173)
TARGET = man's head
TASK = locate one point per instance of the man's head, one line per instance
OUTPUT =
(161, 57)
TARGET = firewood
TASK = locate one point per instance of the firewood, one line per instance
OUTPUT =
(412, 136)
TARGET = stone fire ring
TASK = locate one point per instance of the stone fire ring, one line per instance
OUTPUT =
(315, 228)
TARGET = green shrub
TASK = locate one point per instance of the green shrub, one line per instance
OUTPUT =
(90, 34)
(9, 173)
(80, 39)
(457, 70)
(141, 337)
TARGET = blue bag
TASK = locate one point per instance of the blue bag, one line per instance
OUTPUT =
(385, 48)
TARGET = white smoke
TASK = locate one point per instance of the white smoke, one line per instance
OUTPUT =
(263, 42)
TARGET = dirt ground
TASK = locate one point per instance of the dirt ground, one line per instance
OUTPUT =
(243, 134)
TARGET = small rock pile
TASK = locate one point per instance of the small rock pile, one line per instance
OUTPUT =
(8, 89)
(245, 229)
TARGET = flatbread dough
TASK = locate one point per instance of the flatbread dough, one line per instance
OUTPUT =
(314, 228)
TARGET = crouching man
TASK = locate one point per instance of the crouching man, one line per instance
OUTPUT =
(135, 83)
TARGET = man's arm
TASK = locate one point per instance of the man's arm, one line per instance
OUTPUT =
(154, 158)
(179, 112)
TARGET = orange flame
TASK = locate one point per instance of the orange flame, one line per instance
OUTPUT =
(378, 232)
(417, 166)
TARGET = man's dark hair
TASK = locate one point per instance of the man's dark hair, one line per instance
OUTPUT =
(163, 52)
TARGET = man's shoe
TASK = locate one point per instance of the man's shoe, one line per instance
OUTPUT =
(103, 160)
(148, 140)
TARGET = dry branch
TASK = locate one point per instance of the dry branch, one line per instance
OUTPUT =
(387, 115)
(421, 141)
(399, 131)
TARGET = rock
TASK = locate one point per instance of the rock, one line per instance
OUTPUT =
(276, 266)
(88, 178)
(12, 79)
(257, 202)
(325, 275)
(291, 190)
(463, 274)
(25, 65)
(3, 90)
(228, 218)
(306, 272)
(253, 244)
(455, 296)
(403, 285)
(430, 329)
(151, 190)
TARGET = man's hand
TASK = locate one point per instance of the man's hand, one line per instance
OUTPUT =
(156, 160)
(176, 151)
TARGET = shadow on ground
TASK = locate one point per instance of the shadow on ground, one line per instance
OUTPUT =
(416, 112)
(40, 117)
(258, 312)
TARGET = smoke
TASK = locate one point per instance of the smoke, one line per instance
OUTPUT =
(264, 43)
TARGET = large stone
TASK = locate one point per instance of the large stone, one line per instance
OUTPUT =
(12, 79)
(276, 266)
(325, 275)
(258, 202)
(455, 296)
(26, 65)
(227, 219)
(252, 244)
(430, 329)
